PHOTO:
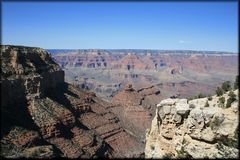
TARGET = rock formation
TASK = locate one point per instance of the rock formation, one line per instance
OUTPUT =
(44, 117)
(200, 128)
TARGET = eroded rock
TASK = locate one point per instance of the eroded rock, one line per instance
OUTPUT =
(193, 132)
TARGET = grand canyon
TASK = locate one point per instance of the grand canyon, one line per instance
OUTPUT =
(116, 103)
(119, 80)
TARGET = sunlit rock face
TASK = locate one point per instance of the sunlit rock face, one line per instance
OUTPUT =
(182, 129)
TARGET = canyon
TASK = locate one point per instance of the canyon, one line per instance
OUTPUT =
(153, 74)
(99, 103)
(174, 73)
(45, 117)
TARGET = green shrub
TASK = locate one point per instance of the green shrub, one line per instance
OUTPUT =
(221, 101)
(232, 98)
(209, 98)
(182, 154)
(219, 91)
(231, 94)
(226, 86)
(200, 95)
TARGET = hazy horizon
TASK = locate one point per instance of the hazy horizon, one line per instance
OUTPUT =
(144, 49)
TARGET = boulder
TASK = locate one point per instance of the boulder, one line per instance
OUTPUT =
(168, 101)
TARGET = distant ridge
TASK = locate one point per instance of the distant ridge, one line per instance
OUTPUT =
(141, 51)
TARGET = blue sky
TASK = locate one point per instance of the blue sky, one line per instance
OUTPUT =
(119, 25)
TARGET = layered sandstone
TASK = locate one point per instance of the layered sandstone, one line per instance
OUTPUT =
(183, 129)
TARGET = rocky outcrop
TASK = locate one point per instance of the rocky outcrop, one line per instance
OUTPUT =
(26, 71)
(44, 117)
(195, 129)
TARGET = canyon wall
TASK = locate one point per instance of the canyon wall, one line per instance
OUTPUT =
(44, 117)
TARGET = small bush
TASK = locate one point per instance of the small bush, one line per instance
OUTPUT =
(209, 98)
(232, 98)
(200, 95)
(221, 101)
(219, 91)
(182, 154)
(226, 86)
(231, 94)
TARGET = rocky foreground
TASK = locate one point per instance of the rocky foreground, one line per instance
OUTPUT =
(200, 128)
(44, 117)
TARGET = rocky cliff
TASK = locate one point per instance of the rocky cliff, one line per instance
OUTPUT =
(44, 117)
(200, 128)
(26, 71)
